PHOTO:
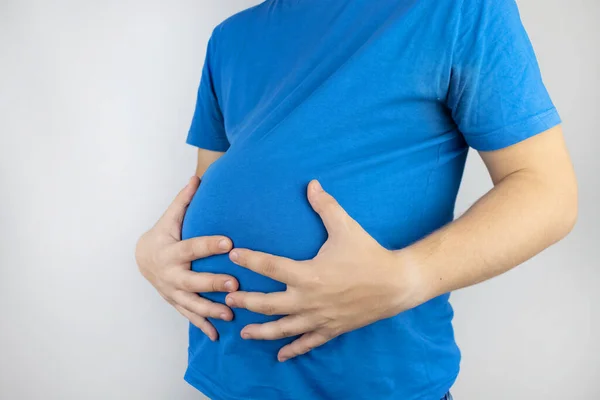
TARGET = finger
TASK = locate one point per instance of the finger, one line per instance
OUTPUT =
(334, 217)
(202, 307)
(279, 268)
(202, 282)
(302, 345)
(192, 249)
(278, 303)
(199, 322)
(176, 210)
(285, 327)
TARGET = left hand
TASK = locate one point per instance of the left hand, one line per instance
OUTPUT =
(352, 282)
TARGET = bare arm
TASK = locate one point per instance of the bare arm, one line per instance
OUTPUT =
(533, 204)
(205, 159)
(354, 281)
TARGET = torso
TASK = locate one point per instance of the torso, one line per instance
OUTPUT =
(352, 95)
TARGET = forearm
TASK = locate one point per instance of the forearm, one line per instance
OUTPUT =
(205, 159)
(521, 216)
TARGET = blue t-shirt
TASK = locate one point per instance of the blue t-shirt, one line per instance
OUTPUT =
(380, 101)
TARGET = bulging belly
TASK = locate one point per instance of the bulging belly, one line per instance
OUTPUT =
(258, 199)
(260, 206)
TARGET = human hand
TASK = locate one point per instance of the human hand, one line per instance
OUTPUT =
(352, 282)
(165, 261)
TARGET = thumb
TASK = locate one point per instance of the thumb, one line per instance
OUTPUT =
(334, 217)
(176, 210)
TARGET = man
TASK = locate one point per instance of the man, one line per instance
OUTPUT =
(332, 139)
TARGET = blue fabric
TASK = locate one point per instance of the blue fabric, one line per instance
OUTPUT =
(380, 103)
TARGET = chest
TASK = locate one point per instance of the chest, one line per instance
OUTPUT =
(375, 69)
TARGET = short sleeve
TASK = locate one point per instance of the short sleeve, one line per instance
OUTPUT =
(496, 93)
(207, 130)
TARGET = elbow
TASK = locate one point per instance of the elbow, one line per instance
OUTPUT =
(569, 220)
(566, 209)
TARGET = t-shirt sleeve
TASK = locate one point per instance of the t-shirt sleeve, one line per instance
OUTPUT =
(496, 94)
(207, 130)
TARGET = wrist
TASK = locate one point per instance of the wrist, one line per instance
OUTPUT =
(413, 285)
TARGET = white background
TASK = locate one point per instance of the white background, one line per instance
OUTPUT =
(95, 101)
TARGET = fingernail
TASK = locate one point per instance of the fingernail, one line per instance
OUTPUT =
(229, 286)
(282, 359)
(229, 301)
(223, 316)
(245, 335)
(233, 256)
(317, 187)
(224, 244)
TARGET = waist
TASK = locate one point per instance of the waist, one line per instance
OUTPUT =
(404, 357)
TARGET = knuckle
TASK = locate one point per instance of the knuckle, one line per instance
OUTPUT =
(215, 284)
(202, 310)
(179, 217)
(179, 199)
(186, 250)
(170, 278)
(269, 266)
(215, 311)
(200, 314)
(329, 204)
(331, 333)
(241, 302)
(202, 247)
(213, 245)
(267, 309)
(284, 332)
(176, 300)
(326, 205)
(185, 284)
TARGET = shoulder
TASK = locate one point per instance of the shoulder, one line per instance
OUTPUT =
(487, 21)
(476, 10)
(237, 23)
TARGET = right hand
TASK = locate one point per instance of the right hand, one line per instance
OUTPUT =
(165, 261)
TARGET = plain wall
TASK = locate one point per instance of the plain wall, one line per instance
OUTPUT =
(95, 101)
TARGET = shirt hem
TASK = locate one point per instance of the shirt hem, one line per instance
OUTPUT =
(209, 388)
(204, 143)
(515, 133)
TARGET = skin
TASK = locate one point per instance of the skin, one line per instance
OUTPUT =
(165, 260)
(353, 281)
